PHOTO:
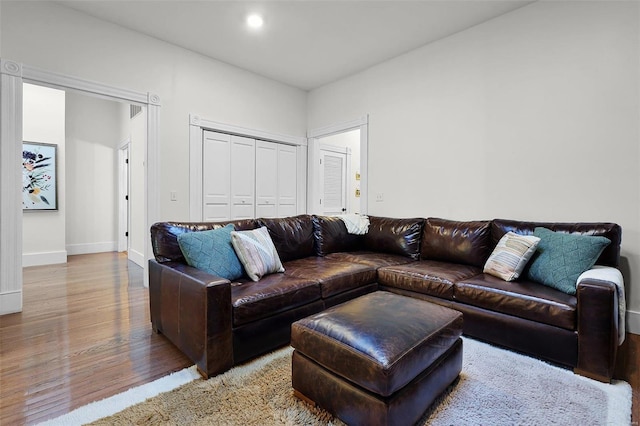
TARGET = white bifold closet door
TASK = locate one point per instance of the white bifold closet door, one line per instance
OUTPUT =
(276, 179)
(246, 178)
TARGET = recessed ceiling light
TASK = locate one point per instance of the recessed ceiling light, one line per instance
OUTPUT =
(255, 21)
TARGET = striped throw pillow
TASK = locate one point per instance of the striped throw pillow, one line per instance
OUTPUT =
(511, 256)
(256, 252)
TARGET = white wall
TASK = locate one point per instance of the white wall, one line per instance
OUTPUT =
(351, 140)
(43, 231)
(533, 115)
(93, 135)
(58, 39)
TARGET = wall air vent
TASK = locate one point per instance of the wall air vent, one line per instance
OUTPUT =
(134, 110)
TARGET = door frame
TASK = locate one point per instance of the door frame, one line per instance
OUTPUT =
(12, 76)
(123, 192)
(313, 178)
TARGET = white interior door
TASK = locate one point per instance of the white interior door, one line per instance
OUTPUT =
(333, 181)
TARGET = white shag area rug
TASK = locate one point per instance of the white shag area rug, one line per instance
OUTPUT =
(496, 387)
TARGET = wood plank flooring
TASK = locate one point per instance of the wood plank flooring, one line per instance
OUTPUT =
(85, 335)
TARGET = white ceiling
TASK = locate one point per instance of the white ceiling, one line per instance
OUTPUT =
(305, 44)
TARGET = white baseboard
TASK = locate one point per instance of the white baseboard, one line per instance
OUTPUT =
(10, 302)
(46, 258)
(136, 257)
(633, 322)
(87, 248)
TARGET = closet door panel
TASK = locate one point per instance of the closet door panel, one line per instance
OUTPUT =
(266, 172)
(242, 174)
(266, 179)
(287, 180)
(216, 180)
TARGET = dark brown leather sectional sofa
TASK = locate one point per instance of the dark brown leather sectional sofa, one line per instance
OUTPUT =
(218, 324)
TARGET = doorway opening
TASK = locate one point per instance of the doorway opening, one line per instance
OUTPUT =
(93, 176)
(13, 75)
(340, 175)
(338, 169)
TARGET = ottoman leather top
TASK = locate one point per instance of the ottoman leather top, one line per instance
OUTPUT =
(380, 341)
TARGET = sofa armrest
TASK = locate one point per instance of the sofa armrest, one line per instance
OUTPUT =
(597, 324)
(193, 310)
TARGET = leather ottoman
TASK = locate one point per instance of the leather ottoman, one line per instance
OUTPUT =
(380, 359)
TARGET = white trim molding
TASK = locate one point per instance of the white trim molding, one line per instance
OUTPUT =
(12, 76)
(9, 300)
(10, 68)
(197, 120)
(52, 79)
(10, 194)
(197, 125)
(44, 258)
(88, 248)
(344, 126)
(151, 179)
(139, 259)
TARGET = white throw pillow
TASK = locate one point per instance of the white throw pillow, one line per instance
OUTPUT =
(508, 259)
(256, 252)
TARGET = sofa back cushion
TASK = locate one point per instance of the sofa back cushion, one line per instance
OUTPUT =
(609, 257)
(468, 243)
(292, 236)
(331, 236)
(164, 236)
(395, 236)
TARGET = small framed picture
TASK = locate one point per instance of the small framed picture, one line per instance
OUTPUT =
(39, 176)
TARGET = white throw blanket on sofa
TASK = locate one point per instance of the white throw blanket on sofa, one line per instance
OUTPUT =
(607, 273)
(355, 223)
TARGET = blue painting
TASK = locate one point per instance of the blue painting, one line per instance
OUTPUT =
(39, 183)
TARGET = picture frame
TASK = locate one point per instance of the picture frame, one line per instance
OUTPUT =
(39, 176)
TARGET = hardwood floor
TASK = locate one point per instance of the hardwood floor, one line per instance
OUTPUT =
(85, 335)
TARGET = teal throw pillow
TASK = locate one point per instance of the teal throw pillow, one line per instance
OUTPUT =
(560, 258)
(212, 252)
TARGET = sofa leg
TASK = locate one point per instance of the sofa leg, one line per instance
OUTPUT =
(302, 397)
(592, 375)
(203, 373)
(155, 329)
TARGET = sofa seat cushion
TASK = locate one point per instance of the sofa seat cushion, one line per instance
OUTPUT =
(427, 276)
(524, 299)
(371, 258)
(334, 276)
(271, 295)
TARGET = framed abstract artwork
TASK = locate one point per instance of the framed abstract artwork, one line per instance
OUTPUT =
(39, 176)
